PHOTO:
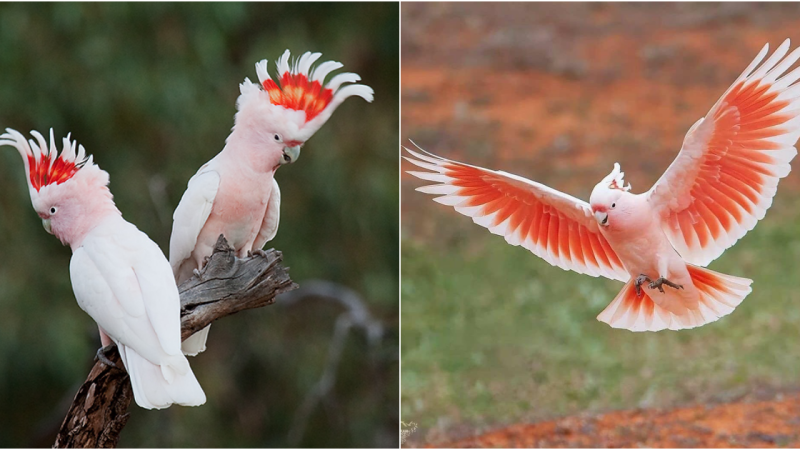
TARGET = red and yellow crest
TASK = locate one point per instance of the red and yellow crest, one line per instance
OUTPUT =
(301, 87)
(44, 164)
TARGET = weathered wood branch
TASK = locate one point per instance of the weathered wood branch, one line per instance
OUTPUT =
(225, 286)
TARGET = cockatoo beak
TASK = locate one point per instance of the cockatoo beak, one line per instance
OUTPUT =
(46, 225)
(601, 217)
(290, 154)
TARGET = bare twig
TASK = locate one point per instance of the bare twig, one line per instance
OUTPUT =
(225, 286)
(356, 315)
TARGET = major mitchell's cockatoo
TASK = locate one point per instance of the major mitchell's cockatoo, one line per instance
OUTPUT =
(120, 277)
(719, 186)
(235, 194)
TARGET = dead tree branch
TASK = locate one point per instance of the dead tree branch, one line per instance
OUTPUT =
(355, 315)
(225, 286)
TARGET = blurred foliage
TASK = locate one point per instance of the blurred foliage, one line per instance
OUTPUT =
(149, 89)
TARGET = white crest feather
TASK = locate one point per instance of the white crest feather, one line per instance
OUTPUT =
(261, 71)
(283, 63)
(616, 179)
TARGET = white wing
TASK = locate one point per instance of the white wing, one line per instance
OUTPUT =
(269, 228)
(124, 282)
(727, 171)
(121, 278)
(555, 226)
(191, 214)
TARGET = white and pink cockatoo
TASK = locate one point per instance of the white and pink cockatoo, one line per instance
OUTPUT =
(235, 194)
(719, 186)
(119, 276)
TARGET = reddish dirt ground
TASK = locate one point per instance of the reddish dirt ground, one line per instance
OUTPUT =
(773, 423)
(557, 93)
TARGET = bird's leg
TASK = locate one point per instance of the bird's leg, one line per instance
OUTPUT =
(661, 280)
(637, 284)
(106, 345)
(101, 355)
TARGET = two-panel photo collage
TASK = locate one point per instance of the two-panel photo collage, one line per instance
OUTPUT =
(399, 225)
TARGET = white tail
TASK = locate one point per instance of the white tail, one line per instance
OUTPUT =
(195, 343)
(158, 387)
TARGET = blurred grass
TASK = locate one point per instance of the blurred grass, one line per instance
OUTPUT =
(493, 335)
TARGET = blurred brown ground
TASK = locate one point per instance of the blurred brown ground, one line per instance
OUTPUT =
(558, 93)
(749, 424)
(578, 86)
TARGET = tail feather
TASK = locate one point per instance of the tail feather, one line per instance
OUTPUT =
(152, 388)
(195, 343)
(718, 296)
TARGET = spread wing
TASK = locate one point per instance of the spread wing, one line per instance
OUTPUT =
(121, 278)
(269, 228)
(555, 226)
(727, 171)
(191, 214)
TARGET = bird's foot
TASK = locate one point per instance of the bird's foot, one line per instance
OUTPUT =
(196, 272)
(657, 284)
(101, 355)
(637, 284)
(256, 252)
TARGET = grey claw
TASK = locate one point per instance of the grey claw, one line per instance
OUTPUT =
(101, 355)
(657, 284)
(259, 252)
(196, 272)
(637, 284)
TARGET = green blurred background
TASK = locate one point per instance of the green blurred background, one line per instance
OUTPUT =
(493, 335)
(149, 89)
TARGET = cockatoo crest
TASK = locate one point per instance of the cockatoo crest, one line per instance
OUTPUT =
(615, 180)
(300, 88)
(45, 166)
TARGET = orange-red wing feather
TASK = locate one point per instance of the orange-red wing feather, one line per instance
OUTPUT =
(727, 171)
(553, 225)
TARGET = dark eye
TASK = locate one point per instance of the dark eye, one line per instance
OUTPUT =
(613, 205)
(277, 137)
(52, 210)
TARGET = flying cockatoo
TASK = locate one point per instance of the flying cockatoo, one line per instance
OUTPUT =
(657, 242)
(120, 277)
(235, 194)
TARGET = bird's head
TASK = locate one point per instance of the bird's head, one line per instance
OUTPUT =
(282, 115)
(68, 191)
(610, 197)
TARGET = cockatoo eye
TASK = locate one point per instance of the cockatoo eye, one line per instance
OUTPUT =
(613, 205)
(277, 137)
(53, 210)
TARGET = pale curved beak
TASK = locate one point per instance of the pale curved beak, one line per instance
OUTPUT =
(601, 217)
(46, 225)
(290, 154)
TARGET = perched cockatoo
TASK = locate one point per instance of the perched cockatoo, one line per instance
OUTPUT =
(719, 186)
(120, 277)
(235, 194)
